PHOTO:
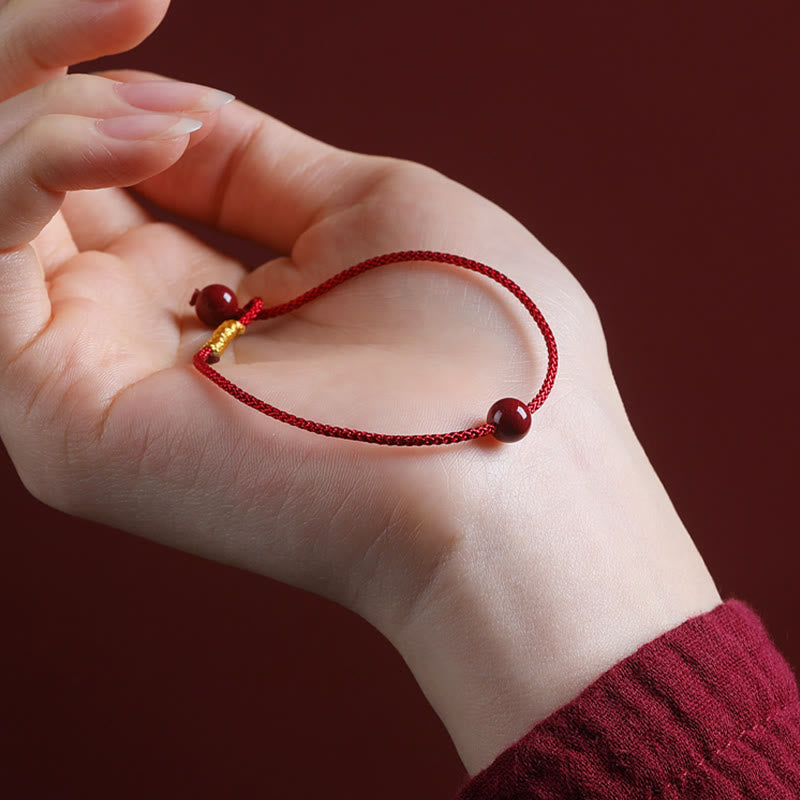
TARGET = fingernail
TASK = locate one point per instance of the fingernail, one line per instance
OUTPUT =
(172, 96)
(148, 126)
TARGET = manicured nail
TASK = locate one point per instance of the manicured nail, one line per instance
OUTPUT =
(148, 126)
(172, 96)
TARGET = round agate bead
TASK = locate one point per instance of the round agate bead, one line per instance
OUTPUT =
(215, 304)
(511, 418)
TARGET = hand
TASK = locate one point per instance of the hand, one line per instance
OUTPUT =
(508, 576)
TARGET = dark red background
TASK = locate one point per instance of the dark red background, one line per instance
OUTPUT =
(653, 148)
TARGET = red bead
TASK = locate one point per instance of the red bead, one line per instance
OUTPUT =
(512, 419)
(215, 304)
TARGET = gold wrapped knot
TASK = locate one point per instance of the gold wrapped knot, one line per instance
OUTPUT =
(223, 336)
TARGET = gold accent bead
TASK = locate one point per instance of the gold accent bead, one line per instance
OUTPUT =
(224, 335)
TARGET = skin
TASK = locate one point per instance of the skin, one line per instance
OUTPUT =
(508, 576)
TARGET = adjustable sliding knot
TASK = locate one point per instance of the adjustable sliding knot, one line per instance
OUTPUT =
(508, 419)
(222, 337)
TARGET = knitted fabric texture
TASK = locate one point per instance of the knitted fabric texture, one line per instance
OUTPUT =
(708, 710)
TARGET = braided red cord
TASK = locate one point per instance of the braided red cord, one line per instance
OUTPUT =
(255, 310)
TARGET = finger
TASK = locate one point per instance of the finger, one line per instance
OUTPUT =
(256, 177)
(52, 155)
(60, 153)
(91, 95)
(98, 218)
(40, 38)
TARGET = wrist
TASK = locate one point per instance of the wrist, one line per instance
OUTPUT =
(538, 599)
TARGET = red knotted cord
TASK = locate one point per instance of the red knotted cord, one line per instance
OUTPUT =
(255, 310)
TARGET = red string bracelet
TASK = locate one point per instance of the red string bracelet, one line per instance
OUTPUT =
(508, 420)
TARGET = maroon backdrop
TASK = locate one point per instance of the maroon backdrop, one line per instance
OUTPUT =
(653, 148)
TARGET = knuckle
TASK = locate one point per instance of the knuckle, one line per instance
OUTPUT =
(51, 91)
(75, 88)
(62, 155)
(36, 132)
(411, 174)
(39, 141)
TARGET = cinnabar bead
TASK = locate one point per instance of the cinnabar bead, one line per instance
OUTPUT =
(215, 304)
(511, 418)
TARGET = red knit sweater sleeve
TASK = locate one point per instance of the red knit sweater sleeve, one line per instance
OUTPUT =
(708, 710)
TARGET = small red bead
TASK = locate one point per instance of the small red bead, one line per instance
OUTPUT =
(215, 304)
(511, 418)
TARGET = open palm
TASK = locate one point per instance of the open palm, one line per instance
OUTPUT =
(404, 349)
(108, 420)
(514, 573)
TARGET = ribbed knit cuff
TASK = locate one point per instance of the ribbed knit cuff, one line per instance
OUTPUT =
(708, 710)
